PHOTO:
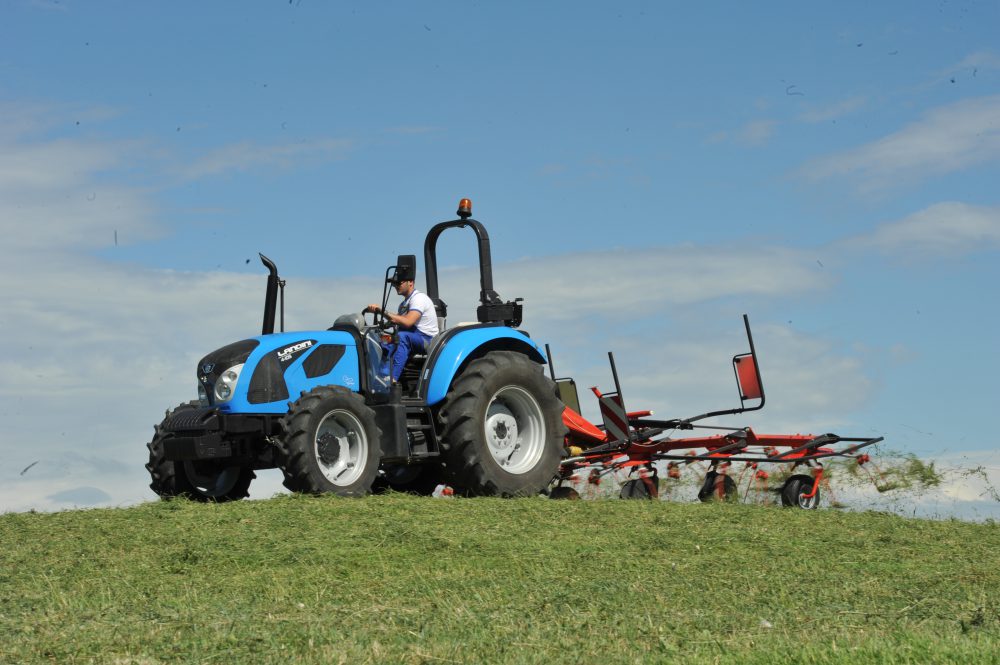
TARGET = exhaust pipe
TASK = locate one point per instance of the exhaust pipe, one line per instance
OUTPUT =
(271, 296)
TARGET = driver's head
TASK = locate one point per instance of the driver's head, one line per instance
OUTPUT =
(403, 286)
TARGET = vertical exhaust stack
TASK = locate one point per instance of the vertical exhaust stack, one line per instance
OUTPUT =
(271, 296)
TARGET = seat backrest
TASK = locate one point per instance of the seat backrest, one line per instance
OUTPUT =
(568, 393)
(441, 308)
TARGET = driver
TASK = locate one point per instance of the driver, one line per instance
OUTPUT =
(416, 321)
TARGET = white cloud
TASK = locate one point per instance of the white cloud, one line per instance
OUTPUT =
(753, 134)
(946, 139)
(815, 114)
(756, 132)
(973, 63)
(944, 229)
(247, 155)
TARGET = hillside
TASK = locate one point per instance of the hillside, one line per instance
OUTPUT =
(411, 580)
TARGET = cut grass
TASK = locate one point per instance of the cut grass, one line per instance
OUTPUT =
(402, 579)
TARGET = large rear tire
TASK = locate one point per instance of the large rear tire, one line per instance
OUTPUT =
(502, 427)
(199, 480)
(331, 443)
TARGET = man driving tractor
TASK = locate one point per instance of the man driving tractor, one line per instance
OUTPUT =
(415, 319)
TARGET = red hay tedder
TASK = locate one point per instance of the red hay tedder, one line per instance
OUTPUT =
(630, 443)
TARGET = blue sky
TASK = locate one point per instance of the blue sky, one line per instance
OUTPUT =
(647, 171)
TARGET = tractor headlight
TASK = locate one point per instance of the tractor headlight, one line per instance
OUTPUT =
(226, 384)
(202, 395)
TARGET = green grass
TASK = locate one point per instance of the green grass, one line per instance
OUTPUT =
(399, 579)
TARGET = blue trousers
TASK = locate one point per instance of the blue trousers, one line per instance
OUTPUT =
(410, 342)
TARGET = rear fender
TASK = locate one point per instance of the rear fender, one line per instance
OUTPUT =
(464, 346)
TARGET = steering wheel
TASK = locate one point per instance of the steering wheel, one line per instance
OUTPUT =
(380, 321)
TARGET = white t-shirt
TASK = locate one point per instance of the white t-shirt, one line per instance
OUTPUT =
(421, 302)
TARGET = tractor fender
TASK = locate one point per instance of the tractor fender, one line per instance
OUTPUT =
(459, 346)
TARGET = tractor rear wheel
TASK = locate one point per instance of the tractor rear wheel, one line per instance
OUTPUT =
(502, 427)
(200, 481)
(794, 490)
(331, 443)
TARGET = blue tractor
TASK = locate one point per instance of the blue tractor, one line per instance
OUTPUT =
(475, 412)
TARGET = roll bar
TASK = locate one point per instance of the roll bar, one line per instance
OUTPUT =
(492, 308)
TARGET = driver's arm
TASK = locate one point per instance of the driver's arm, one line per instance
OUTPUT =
(407, 320)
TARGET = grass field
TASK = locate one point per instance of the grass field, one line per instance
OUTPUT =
(400, 579)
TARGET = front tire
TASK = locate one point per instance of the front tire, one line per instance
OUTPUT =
(218, 481)
(503, 430)
(198, 480)
(331, 443)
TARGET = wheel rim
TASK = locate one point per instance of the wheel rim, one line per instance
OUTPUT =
(811, 502)
(515, 430)
(212, 482)
(341, 447)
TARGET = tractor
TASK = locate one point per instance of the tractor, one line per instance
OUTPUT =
(475, 412)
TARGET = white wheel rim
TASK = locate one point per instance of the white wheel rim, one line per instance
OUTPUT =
(803, 501)
(515, 430)
(341, 447)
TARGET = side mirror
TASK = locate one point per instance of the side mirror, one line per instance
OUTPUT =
(405, 269)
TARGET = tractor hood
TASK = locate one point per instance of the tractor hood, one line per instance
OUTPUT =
(260, 375)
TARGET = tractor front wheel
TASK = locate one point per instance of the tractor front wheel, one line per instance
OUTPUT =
(502, 424)
(331, 443)
(218, 481)
(200, 481)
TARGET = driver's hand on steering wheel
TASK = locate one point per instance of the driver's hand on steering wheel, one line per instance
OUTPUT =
(373, 308)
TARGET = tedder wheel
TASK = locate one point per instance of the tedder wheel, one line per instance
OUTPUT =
(711, 491)
(503, 429)
(794, 489)
(331, 443)
(201, 481)
(639, 488)
(563, 492)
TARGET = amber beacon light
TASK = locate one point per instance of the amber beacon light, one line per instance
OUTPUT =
(465, 208)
